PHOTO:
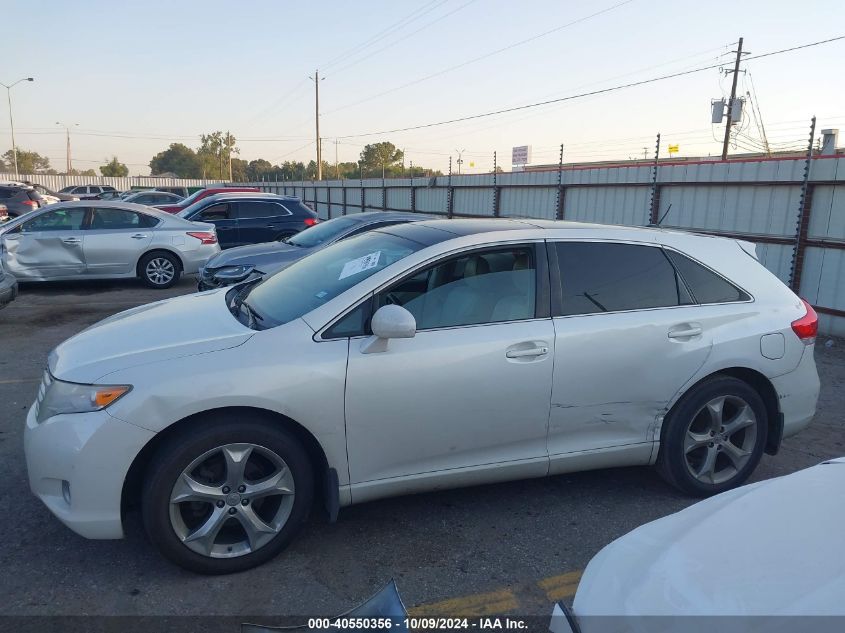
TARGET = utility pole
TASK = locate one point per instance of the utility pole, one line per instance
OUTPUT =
(316, 79)
(731, 101)
(11, 121)
(67, 151)
(460, 159)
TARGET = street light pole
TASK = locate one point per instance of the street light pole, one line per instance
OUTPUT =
(11, 119)
(460, 159)
(67, 150)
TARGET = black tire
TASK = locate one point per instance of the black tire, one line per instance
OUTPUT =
(675, 464)
(217, 430)
(150, 279)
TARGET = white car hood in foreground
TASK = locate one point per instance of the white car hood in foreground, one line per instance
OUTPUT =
(182, 326)
(770, 548)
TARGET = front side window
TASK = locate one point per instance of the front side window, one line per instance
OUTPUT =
(81, 190)
(58, 220)
(612, 277)
(479, 287)
(214, 212)
(256, 209)
(314, 280)
(705, 285)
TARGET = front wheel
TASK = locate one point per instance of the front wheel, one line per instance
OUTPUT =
(159, 270)
(228, 496)
(714, 437)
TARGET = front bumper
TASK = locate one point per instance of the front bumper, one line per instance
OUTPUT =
(77, 464)
(8, 290)
(207, 281)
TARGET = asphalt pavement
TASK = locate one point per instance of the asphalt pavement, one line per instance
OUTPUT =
(500, 548)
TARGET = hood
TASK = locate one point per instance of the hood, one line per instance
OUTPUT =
(259, 255)
(769, 548)
(182, 326)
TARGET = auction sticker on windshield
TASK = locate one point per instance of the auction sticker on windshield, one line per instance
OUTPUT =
(359, 265)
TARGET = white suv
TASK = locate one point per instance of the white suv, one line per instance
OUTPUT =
(417, 357)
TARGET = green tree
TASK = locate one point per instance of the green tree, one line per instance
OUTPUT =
(114, 168)
(28, 162)
(214, 152)
(376, 158)
(240, 169)
(259, 168)
(178, 159)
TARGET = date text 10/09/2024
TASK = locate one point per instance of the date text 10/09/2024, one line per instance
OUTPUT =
(417, 624)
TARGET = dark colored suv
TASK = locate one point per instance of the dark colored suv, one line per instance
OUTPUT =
(20, 200)
(251, 218)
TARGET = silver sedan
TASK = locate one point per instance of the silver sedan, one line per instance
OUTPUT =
(93, 239)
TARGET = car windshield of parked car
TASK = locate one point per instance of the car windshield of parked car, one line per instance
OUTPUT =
(318, 278)
(322, 233)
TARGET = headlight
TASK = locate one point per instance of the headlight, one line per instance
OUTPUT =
(233, 273)
(68, 397)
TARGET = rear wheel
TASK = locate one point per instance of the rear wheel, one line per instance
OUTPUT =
(714, 437)
(160, 269)
(228, 496)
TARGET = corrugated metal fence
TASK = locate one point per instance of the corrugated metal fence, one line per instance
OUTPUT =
(56, 182)
(799, 230)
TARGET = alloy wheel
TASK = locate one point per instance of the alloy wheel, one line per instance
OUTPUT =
(232, 500)
(720, 439)
(160, 270)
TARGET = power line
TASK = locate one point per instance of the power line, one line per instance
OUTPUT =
(403, 38)
(585, 94)
(411, 17)
(485, 56)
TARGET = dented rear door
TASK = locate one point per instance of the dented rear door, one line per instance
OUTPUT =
(616, 369)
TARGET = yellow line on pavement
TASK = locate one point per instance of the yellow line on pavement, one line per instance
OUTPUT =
(503, 600)
(474, 605)
(560, 587)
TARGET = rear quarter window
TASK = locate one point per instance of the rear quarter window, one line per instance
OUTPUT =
(705, 285)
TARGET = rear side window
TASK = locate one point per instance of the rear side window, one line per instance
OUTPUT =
(297, 208)
(257, 209)
(608, 277)
(5, 194)
(705, 285)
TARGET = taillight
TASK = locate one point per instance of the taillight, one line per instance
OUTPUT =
(807, 326)
(310, 221)
(32, 204)
(206, 237)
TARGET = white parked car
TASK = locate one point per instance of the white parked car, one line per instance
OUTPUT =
(105, 240)
(755, 554)
(417, 357)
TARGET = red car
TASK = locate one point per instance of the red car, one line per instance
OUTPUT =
(199, 195)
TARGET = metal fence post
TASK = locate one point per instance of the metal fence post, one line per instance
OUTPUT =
(343, 195)
(496, 192)
(560, 191)
(449, 191)
(363, 198)
(655, 190)
(413, 205)
(383, 194)
(805, 208)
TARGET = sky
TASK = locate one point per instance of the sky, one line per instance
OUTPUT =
(129, 78)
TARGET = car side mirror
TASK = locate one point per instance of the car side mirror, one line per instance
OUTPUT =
(390, 321)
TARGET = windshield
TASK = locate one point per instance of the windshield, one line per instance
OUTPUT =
(191, 199)
(318, 278)
(322, 233)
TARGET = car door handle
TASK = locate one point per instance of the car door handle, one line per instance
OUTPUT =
(139, 236)
(687, 330)
(527, 353)
(71, 240)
